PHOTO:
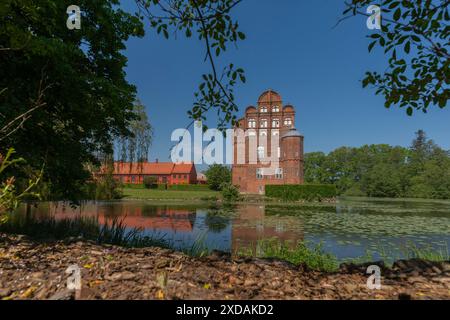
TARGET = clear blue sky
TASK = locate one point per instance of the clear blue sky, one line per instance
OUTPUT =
(292, 48)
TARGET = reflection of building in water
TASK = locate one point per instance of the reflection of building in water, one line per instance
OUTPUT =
(157, 218)
(252, 226)
(134, 216)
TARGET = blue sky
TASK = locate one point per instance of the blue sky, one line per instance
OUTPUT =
(291, 47)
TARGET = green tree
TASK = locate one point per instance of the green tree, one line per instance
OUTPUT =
(135, 147)
(315, 169)
(230, 193)
(382, 180)
(415, 36)
(76, 76)
(217, 175)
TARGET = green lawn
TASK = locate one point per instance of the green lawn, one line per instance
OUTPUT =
(155, 194)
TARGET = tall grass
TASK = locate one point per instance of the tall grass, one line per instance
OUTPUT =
(300, 253)
(112, 232)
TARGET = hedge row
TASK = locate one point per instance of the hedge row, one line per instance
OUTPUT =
(309, 192)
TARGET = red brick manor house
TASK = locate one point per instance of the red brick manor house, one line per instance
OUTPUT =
(270, 119)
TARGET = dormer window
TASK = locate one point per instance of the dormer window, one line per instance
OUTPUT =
(264, 109)
(275, 109)
(275, 123)
(252, 123)
(264, 123)
(288, 122)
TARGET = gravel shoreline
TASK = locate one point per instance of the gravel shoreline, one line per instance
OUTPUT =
(32, 270)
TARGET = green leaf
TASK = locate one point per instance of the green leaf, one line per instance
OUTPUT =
(397, 14)
(407, 47)
(409, 111)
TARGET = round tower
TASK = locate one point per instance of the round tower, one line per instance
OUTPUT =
(292, 156)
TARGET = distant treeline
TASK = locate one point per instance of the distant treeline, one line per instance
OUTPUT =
(420, 171)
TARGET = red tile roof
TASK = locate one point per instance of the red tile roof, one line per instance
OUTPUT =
(183, 168)
(152, 168)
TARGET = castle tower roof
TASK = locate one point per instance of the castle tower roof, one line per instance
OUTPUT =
(293, 132)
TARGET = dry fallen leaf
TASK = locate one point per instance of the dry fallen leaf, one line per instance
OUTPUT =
(29, 292)
(160, 295)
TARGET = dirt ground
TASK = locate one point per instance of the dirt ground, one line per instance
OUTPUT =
(30, 270)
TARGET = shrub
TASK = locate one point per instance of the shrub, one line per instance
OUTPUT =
(217, 175)
(308, 192)
(151, 182)
(10, 196)
(230, 193)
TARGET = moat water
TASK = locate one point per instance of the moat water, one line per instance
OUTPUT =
(352, 228)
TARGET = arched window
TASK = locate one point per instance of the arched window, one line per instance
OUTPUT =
(263, 133)
(252, 123)
(275, 123)
(275, 109)
(263, 109)
(264, 123)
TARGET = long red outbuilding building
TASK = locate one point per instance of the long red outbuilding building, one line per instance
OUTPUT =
(166, 172)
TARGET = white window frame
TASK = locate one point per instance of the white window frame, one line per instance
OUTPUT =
(261, 152)
(259, 173)
(288, 122)
(279, 173)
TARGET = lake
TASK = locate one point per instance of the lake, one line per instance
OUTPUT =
(351, 228)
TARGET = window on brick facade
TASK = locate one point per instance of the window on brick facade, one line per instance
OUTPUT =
(279, 173)
(264, 109)
(264, 123)
(275, 123)
(288, 122)
(261, 152)
(259, 174)
(252, 123)
(276, 109)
